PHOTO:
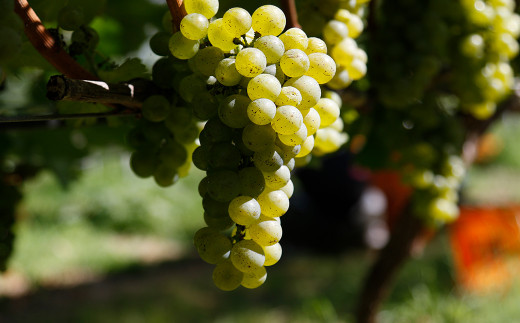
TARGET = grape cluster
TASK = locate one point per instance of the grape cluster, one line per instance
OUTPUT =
(258, 91)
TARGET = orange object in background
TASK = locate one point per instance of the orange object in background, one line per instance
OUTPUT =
(486, 247)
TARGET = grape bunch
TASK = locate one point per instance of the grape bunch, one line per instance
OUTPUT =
(257, 88)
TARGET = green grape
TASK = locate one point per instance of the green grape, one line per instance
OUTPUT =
(334, 31)
(159, 43)
(294, 38)
(268, 160)
(165, 175)
(226, 72)
(203, 187)
(223, 185)
(261, 111)
(328, 111)
(356, 69)
(254, 279)
(328, 140)
(250, 62)
(274, 203)
(156, 108)
(233, 111)
(244, 210)
(173, 153)
(247, 256)
(289, 95)
(266, 231)
(355, 26)
(316, 45)
(276, 71)
(194, 26)
(296, 138)
(191, 86)
(294, 63)
(309, 89)
(71, 17)
(224, 155)
(213, 247)
(344, 52)
(221, 222)
(218, 131)
(341, 80)
(204, 106)
(334, 96)
(277, 179)
(154, 133)
(272, 254)
(287, 120)
(288, 189)
(322, 67)
(287, 152)
(252, 181)
(268, 20)
(143, 163)
(207, 59)
(264, 86)
(208, 8)
(237, 21)
(179, 118)
(182, 47)
(163, 72)
(226, 277)
(213, 207)
(219, 37)
(200, 157)
(306, 147)
(258, 138)
(272, 47)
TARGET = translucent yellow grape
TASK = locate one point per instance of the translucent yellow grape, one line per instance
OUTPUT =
(254, 279)
(272, 47)
(277, 179)
(294, 63)
(272, 254)
(287, 120)
(309, 89)
(328, 111)
(237, 21)
(269, 20)
(208, 8)
(219, 37)
(261, 111)
(307, 147)
(334, 31)
(226, 277)
(294, 38)
(316, 45)
(296, 138)
(250, 62)
(244, 210)
(182, 47)
(247, 256)
(321, 67)
(273, 203)
(289, 95)
(194, 26)
(264, 86)
(266, 231)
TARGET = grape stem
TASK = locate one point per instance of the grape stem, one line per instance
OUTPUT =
(178, 12)
(46, 45)
(289, 8)
(130, 95)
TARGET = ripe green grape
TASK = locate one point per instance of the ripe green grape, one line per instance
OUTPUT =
(294, 63)
(191, 86)
(341, 80)
(250, 62)
(328, 111)
(266, 231)
(226, 277)
(316, 45)
(294, 38)
(306, 147)
(277, 179)
(156, 108)
(226, 73)
(268, 20)
(237, 21)
(254, 279)
(207, 60)
(334, 31)
(288, 189)
(252, 181)
(312, 120)
(272, 47)
(247, 256)
(143, 163)
(264, 86)
(289, 95)
(173, 153)
(233, 111)
(219, 222)
(213, 247)
(182, 47)
(244, 210)
(321, 67)
(296, 138)
(356, 69)
(261, 111)
(268, 160)
(208, 8)
(165, 175)
(224, 155)
(204, 106)
(274, 203)
(258, 138)
(194, 26)
(287, 120)
(309, 89)
(159, 43)
(272, 254)
(219, 37)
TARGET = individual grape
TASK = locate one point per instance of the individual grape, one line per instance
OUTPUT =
(361, 55)
(294, 38)
(277, 179)
(272, 47)
(204, 106)
(329, 140)
(224, 155)
(261, 111)
(159, 43)
(226, 277)
(233, 111)
(344, 52)
(296, 138)
(238, 141)
(221, 222)
(250, 62)
(223, 185)
(163, 72)
(199, 238)
(287, 120)
(266, 231)
(355, 26)
(219, 37)
(208, 8)
(254, 279)
(244, 210)
(334, 31)
(247, 256)
(328, 111)
(194, 26)
(165, 175)
(237, 21)
(289, 95)
(264, 86)
(287, 152)
(307, 147)
(217, 131)
(143, 163)
(316, 45)
(71, 17)
(334, 96)
(213, 207)
(178, 118)
(182, 47)
(273, 203)
(226, 72)
(173, 153)
(288, 189)
(258, 138)
(156, 108)
(213, 248)
(309, 89)
(207, 60)
(203, 187)
(268, 20)
(268, 160)
(341, 80)
(356, 69)
(294, 63)
(252, 181)
(337, 125)
(322, 67)
(272, 254)
(191, 86)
